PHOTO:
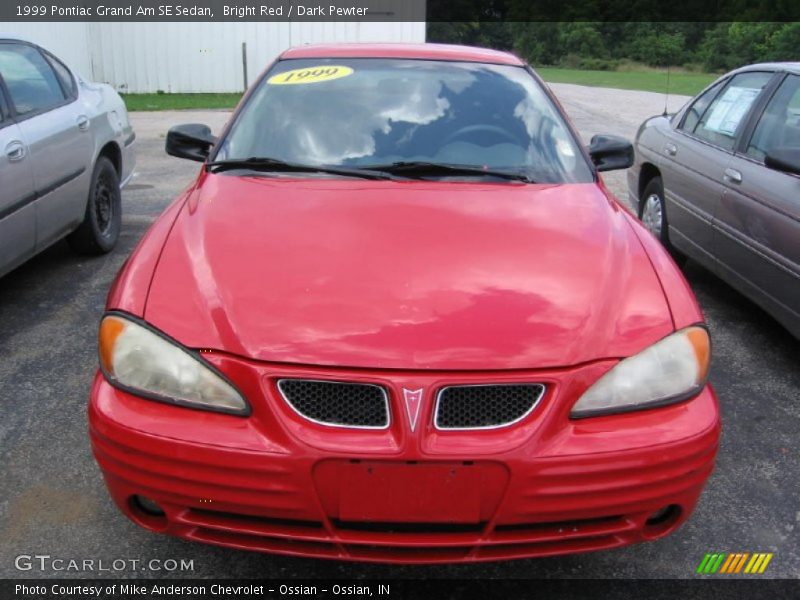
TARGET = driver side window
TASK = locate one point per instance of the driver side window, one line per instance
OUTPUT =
(724, 118)
(698, 109)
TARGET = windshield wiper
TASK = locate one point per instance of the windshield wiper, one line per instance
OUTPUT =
(422, 169)
(257, 163)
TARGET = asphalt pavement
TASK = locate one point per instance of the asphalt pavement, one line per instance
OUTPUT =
(53, 500)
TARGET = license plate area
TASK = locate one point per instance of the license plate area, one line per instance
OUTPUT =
(410, 492)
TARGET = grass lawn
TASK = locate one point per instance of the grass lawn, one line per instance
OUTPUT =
(684, 83)
(651, 80)
(179, 101)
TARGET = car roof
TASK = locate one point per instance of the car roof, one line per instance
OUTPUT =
(413, 51)
(13, 38)
(792, 67)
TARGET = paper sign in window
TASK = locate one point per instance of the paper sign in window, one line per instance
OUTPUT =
(731, 108)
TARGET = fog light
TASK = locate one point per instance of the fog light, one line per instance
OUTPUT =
(662, 515)
(662, 521)
(148, 506)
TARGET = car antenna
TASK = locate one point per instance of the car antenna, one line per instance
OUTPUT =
(666, 94)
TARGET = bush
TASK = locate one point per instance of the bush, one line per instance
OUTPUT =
(573, 61)
(693, 67)
(627, 65)
(598, 64)
(570, 61)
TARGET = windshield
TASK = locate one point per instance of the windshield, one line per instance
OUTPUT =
(360, 113)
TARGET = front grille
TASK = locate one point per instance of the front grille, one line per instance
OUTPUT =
(419, 543)
(402, 527)
(485, 406)
(337, 403)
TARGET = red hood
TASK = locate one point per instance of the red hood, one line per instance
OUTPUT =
(412, 275)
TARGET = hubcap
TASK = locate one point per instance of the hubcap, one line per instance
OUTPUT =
(103, 206)
(653, 214)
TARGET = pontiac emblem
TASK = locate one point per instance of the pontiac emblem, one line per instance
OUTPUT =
(413, 400)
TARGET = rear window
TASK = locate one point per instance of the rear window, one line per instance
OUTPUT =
(30, 80)
(362, 112)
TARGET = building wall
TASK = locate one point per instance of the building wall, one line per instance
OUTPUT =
(191, 57)
(68, 41)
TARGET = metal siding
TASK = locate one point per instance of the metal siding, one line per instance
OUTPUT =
(192, 57)
(68, 41)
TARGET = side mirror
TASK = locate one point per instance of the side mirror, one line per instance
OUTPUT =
(784, 159)
(192, 141)
(610, 152)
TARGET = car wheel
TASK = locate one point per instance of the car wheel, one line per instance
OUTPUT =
(653, 214)
(99, 231)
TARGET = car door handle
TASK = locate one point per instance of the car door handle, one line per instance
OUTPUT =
(733, 176)
(83, 122)
(671, 149)
(15, 151)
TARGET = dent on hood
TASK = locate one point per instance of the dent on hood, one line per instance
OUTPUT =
(418, 275)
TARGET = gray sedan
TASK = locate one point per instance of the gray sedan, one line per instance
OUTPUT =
(66, 148)
(719, 181)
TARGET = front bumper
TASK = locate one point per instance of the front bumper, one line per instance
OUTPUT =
(274, 483)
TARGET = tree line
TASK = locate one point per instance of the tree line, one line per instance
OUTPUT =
(611, 45)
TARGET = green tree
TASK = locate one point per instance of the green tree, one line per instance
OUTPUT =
(487, 34)
(731, 45)
(783, 44)
(538, 43)
(584, 40)
(660, 49)
(715, 49)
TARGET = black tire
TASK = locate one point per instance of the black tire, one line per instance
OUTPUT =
(101, 225)
(652, 204)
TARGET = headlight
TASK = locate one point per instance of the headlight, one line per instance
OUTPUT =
(140, 360)
(670, 370)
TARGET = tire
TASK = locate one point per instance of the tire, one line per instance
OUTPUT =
(653, 215)
(99, 231)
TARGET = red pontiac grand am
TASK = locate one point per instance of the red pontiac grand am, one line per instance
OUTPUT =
(398, 317)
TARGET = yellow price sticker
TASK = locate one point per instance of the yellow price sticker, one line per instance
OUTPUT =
(310, 75)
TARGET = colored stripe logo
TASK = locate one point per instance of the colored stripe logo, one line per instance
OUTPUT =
(734, 563)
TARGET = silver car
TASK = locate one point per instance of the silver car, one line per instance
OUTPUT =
(719, 181)
(66, 148)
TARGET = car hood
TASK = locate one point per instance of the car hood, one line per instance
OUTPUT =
(406, 275)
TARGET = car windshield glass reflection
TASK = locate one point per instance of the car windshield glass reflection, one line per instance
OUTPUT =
(364, 112)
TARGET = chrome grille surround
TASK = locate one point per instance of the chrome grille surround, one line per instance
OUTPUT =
(520, 399)
(327, 404)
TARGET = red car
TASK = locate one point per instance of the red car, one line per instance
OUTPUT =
(398, 317)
